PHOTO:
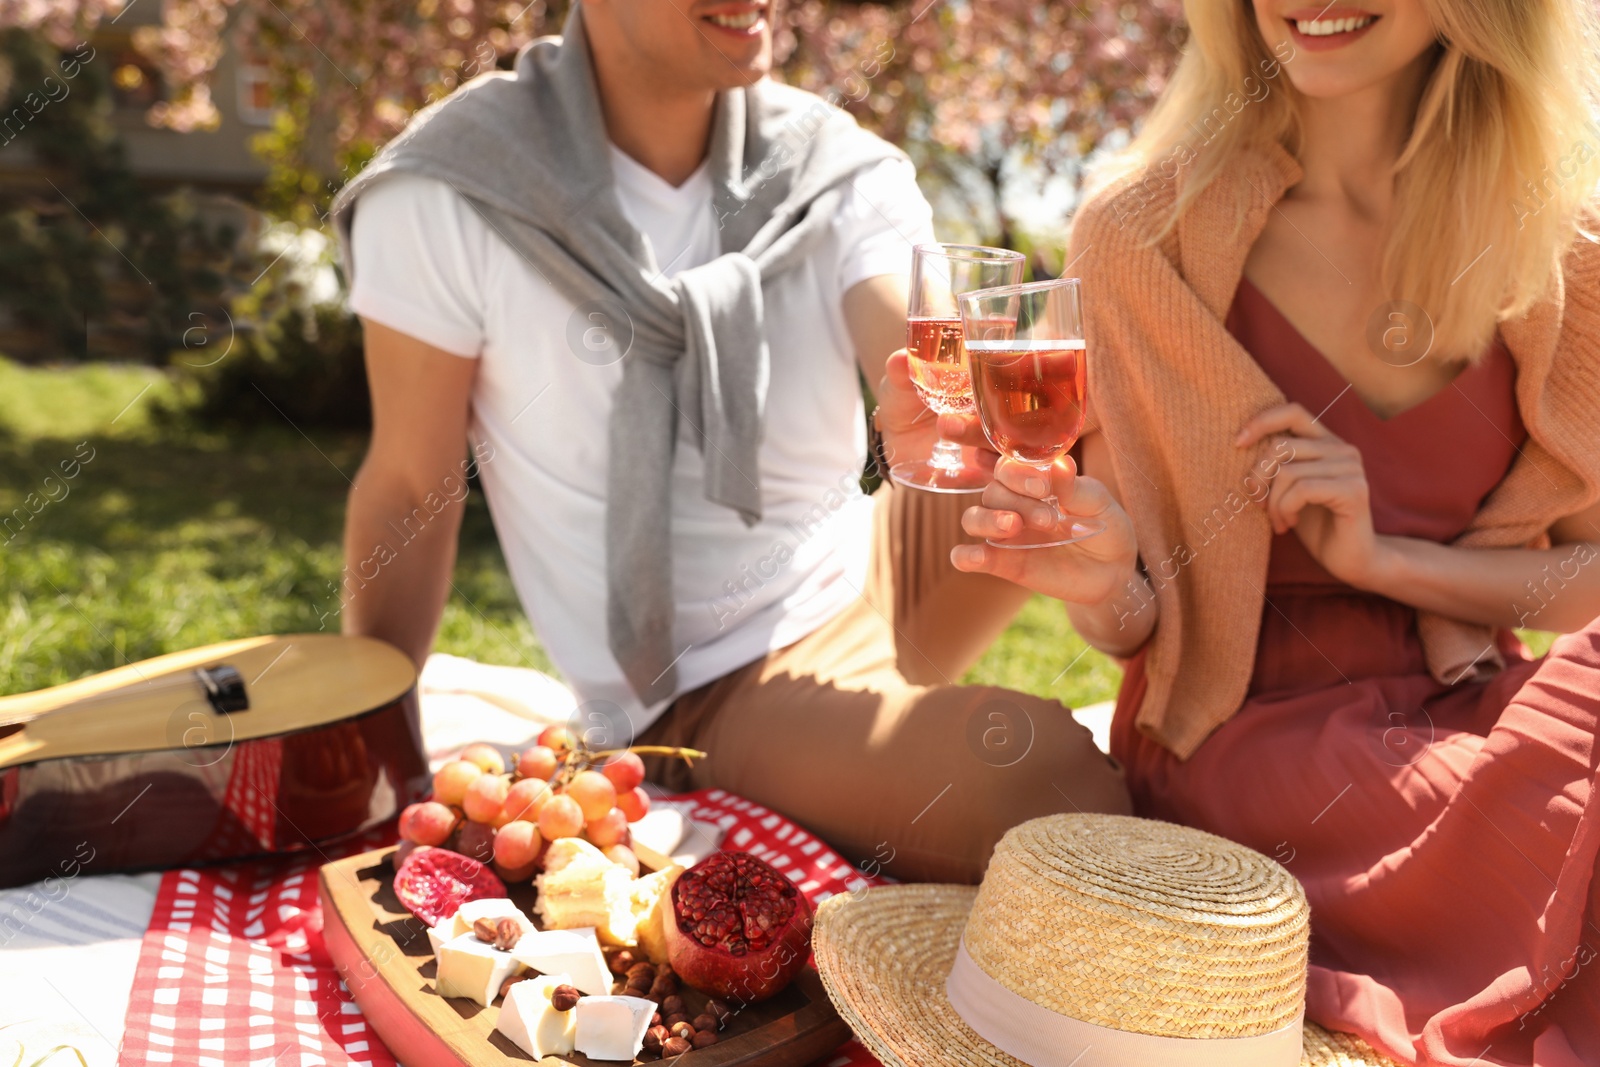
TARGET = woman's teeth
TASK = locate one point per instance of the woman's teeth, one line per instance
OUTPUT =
(1329, 27)
(737, 22)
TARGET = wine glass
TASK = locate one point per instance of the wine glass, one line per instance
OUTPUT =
(937, 357)
(1029, 360)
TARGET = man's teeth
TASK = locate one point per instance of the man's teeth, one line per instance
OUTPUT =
(1329, 27)
(737, 22)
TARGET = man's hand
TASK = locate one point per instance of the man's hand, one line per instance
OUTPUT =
(967, 431)
(909, 428)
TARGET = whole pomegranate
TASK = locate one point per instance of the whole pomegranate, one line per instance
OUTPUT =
(738, 928)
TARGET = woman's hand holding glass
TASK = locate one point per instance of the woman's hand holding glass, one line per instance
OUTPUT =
(1091, 571)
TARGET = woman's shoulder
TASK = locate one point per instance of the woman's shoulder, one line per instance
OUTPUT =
(1126, 212)
(1156, 205)
(1581, 276)
(1558, 338)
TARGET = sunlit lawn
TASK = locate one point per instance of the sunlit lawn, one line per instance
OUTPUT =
(168, 538)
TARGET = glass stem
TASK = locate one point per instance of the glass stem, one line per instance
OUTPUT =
(1052, 499)
(946, 456)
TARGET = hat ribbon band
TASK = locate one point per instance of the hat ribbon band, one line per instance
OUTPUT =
(1041, 1037)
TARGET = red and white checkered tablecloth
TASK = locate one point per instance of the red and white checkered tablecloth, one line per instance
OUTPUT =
(233, 972)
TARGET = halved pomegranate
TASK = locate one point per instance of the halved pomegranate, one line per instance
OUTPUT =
(739, 929)
(433, 882)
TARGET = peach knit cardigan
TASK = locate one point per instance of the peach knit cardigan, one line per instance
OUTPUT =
(1170, 388)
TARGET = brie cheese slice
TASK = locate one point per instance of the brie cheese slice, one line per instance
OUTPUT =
(493, 908)
(573, 952)
(612, 1028)
(531, 1022)
(473, 969)
(438, 935)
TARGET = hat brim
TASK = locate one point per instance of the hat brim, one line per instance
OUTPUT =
(884, 955)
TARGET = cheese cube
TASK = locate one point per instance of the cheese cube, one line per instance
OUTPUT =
(612, 1028)
(438, 935)
(473, 969)
(531, 1023)
(573, 952)
(487, 908)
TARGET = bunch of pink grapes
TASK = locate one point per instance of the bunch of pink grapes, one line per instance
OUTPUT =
(554, 789)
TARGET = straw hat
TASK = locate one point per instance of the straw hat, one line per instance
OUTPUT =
(1094, 940)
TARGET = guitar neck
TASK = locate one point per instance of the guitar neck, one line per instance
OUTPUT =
(167, 687)
(291, 682)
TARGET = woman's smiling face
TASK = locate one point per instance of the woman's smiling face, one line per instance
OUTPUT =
(1341, 48)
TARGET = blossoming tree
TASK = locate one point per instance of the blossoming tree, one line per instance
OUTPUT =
(978, 91)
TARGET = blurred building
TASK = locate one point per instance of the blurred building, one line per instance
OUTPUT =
(216, 160)
(215, 167)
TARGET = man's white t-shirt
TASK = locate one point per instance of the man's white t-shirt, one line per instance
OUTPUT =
(429, 265)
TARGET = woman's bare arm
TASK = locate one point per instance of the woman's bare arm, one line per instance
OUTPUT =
(1555, 588)
(1322, 494)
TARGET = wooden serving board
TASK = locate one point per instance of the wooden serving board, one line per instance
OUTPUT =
(382, 953)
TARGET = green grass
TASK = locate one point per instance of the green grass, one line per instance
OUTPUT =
(168, 538)
(1041, 654)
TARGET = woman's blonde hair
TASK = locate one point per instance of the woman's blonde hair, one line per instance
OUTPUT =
(1499, 177)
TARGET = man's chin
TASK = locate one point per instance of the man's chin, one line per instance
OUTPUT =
(736, 70)
(748, 76)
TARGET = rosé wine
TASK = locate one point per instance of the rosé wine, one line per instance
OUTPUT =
(1030, 395)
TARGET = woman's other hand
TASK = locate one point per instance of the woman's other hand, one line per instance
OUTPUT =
(1321, 493)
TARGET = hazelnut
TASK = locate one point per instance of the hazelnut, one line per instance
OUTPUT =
(661, 988)
(484, 930)
(621, 961)
(507, 932)
(675, 1046)
(672, 1005)
(720, 1010)
(672, 1020)
(683, 1030)
(654, 1036)
(666, 968)
(564, 998)
(705, 1022)
(509, 982)
(655, 1020)
(644, 968)
(702, 1038)
(618, 988)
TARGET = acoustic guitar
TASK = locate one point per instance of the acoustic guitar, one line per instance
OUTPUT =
(236, 750)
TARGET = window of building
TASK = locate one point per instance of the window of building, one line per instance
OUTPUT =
(255, 93)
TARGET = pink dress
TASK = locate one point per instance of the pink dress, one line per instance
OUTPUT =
(1447, 836)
